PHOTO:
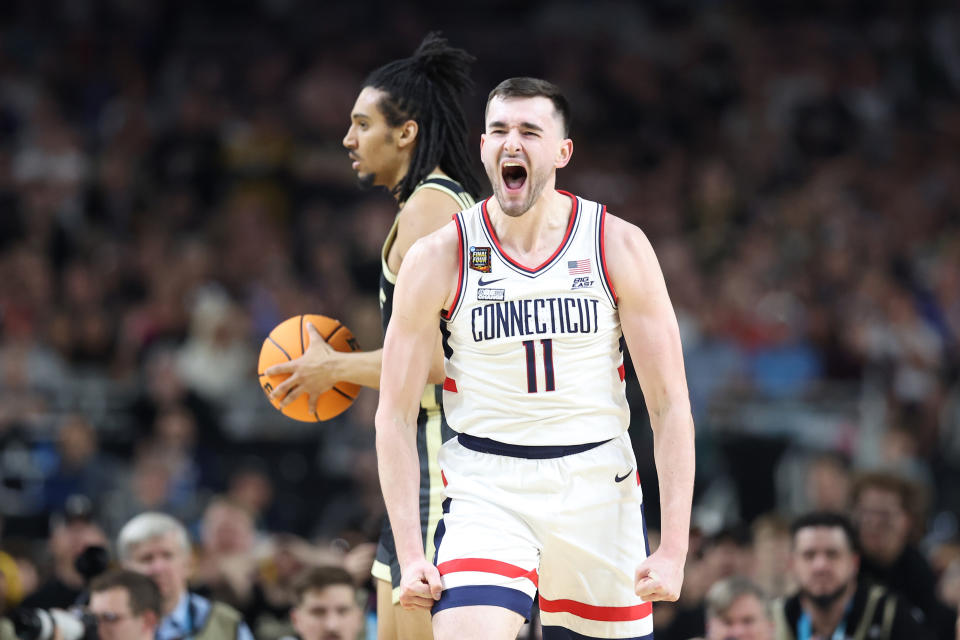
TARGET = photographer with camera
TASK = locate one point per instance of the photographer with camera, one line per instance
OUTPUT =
(126, 605)
(156, 545)
(55, 610)
(72, 531)
(67, 623)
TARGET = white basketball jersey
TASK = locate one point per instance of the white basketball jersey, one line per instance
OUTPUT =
(534, 356)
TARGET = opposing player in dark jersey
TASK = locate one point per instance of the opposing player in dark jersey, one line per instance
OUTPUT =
(408, 133)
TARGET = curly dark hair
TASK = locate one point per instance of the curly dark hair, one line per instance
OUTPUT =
(427, 87)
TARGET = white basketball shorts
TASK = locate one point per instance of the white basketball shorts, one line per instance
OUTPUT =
(518, 520)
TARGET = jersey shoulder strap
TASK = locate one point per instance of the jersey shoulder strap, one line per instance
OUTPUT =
(451, 187)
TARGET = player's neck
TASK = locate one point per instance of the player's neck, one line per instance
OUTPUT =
(436, 172)
(395, 177)
(540, 228)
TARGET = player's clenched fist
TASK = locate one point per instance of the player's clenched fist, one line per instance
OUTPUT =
(420, 585)
(659, 578)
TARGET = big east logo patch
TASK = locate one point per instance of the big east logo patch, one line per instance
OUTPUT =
(582, 282)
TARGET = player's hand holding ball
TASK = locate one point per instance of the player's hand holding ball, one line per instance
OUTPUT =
(659, 578)
(293, 371)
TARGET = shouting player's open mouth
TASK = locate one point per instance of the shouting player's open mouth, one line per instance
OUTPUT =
(514, 175)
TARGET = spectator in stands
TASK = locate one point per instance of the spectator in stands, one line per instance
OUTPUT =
(7, 631)
(18, 568)
(127, 605)
(81, 468)
(887, 511)
(948, 587)
(150, 487)
(6, 567)
(327, 606)
(21, 471)
(226, 563)
(771, 555)
(728, 552)
(73, 530)
(737, 609)
(157, 545)
(287, 557)
(217, 355)
(164, 389)
(831, 602)
(828, 480)
(251, 487)
(193, 469)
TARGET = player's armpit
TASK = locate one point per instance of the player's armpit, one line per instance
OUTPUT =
(436, 375)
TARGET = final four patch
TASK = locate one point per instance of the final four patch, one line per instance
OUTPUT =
(480, 259)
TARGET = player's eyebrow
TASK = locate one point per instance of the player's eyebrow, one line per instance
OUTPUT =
(357, 115)
(523, 125)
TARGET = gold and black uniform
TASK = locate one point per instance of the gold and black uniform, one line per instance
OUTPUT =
(432, 427)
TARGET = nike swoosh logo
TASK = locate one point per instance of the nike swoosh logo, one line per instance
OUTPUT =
(483, 284)
(624, 476)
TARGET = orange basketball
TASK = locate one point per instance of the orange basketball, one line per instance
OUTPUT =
(289, 340)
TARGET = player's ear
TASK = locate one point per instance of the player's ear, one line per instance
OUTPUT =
(564, 153)
(294, 617)
(150, 620)
(408, 133)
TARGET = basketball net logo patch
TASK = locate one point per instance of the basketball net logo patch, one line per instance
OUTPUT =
(480, 259)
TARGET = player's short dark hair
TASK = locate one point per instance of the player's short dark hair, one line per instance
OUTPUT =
(829, 520)
(427, 87)
(142, 590)
(535, 88)
(318, 578)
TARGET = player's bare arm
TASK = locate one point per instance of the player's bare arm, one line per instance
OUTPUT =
(321, 366)
(650, 327)
(426, 281)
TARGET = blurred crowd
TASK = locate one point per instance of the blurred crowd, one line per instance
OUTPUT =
(172, 185)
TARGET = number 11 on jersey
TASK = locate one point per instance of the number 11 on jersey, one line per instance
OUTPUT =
(530, 347)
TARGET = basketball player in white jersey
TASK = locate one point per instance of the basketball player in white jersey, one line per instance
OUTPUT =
(535, 290)
(408, 134)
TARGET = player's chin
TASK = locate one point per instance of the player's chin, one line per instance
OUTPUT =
(366, 180)
(512, 203)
